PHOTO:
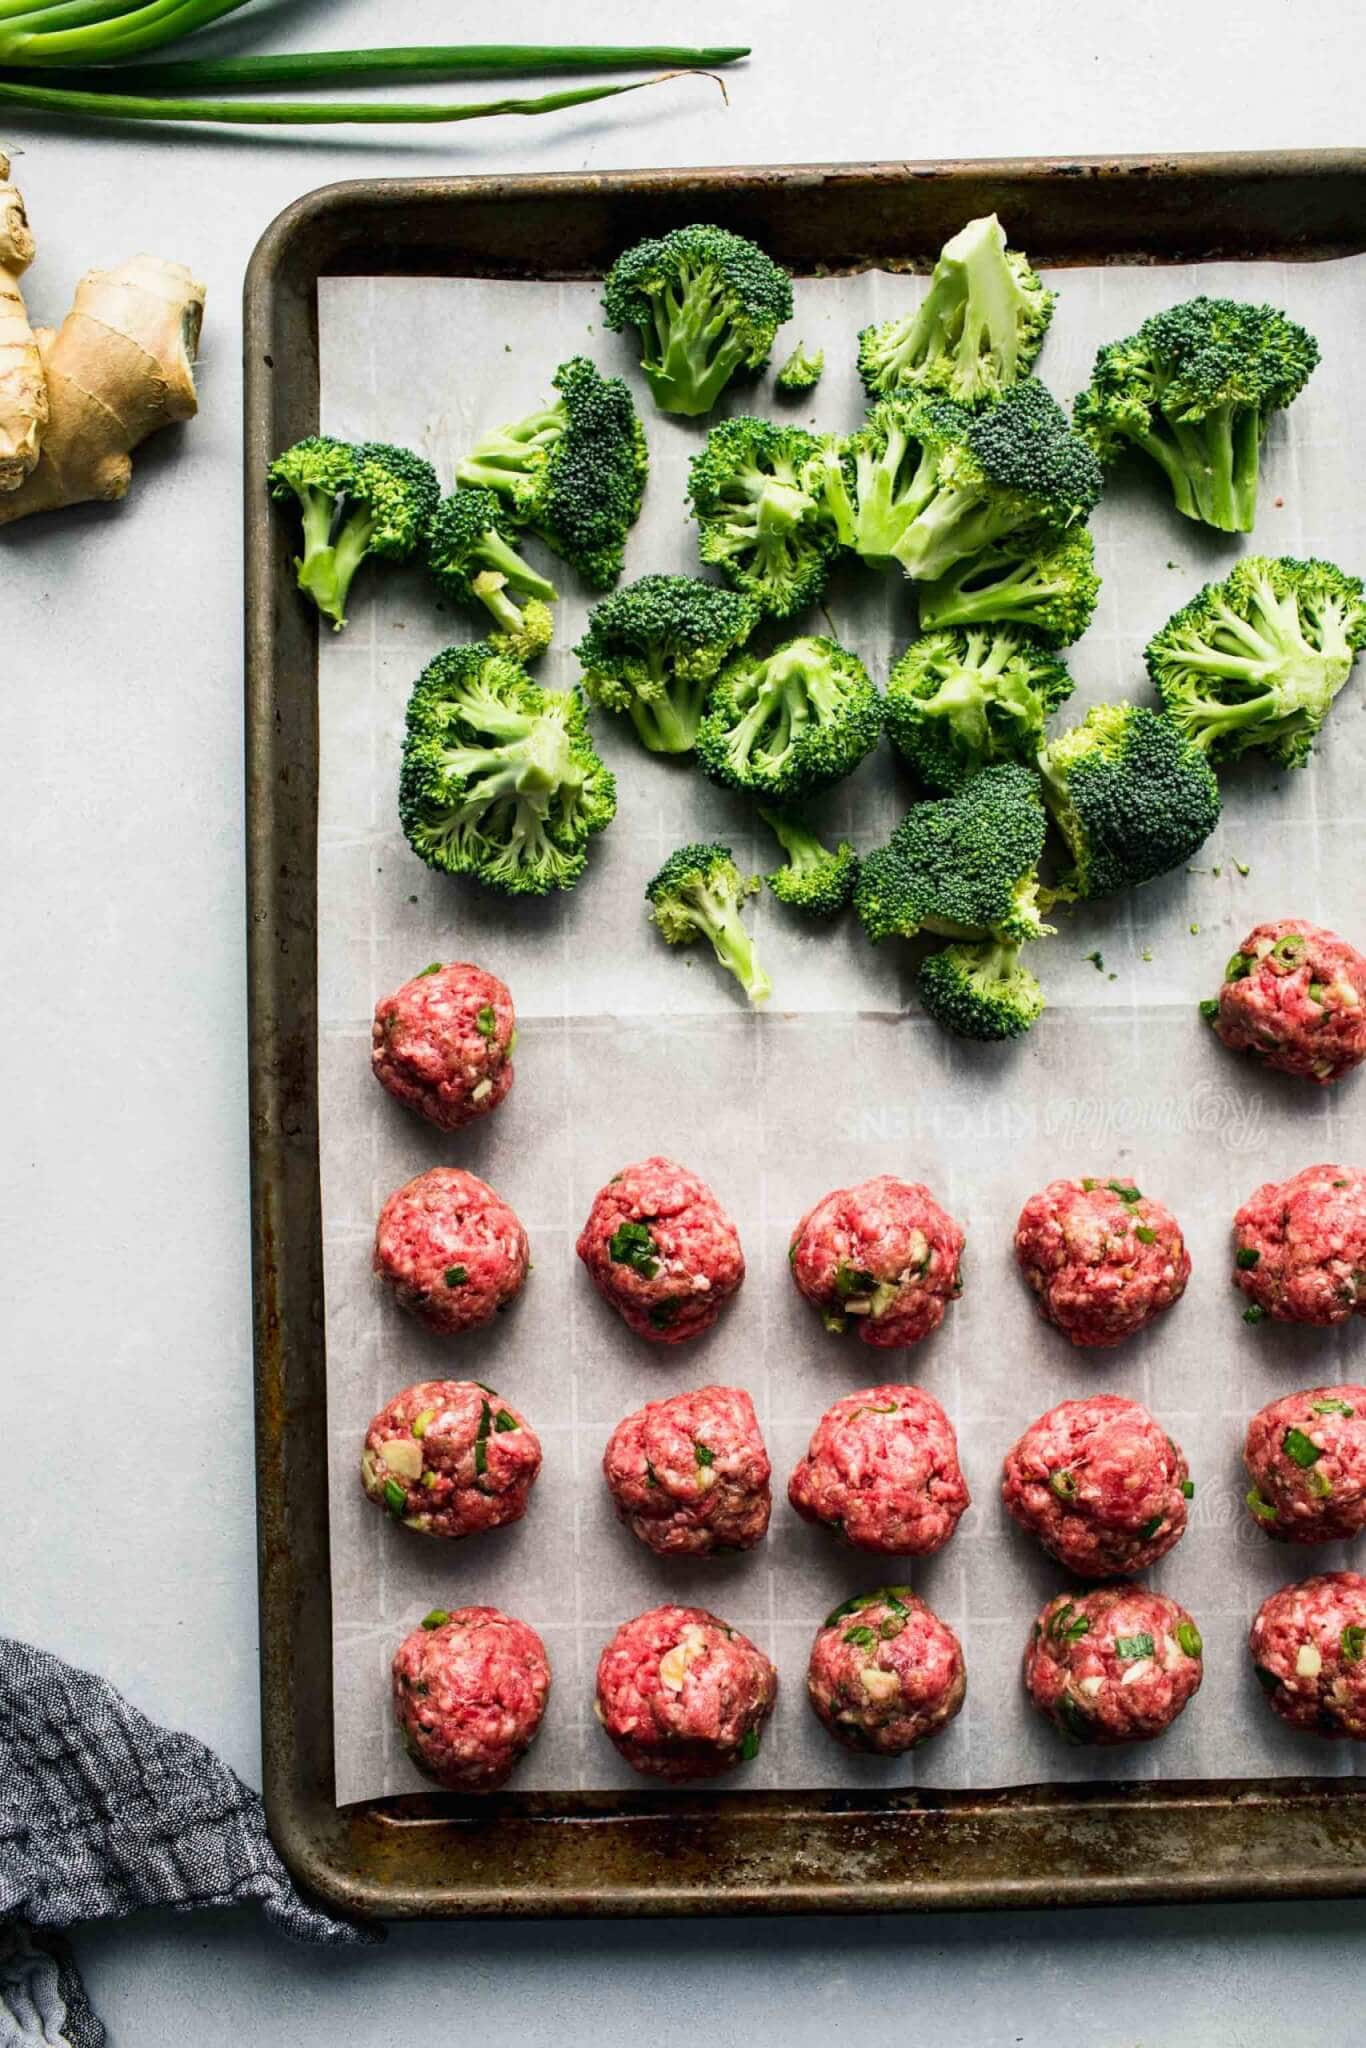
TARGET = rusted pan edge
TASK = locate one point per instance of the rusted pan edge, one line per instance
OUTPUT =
(635, 1853)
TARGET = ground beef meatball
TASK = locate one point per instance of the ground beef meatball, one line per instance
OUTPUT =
(450, 1457)
(690, 1476)
(882, 1257)
(1306, 1458)
(470, 1688)
(1100, 1485)
(885, 1672)
(1114, 1665)
(443, 1043)
(1308, 1647)
(1102, 1258)
(661, 1251)
(1295, 995)
(1300, 1247)
(450, 1250)
(882, 1469)
(682, 1695)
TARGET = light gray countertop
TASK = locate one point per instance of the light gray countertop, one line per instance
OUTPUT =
(123, 1168)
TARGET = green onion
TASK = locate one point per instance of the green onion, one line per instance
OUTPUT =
(1126, 1190)
(1130, 1647)
(792, 1253)
(651, 1476)
(1319, 1483)
(1145, 1233)
(663, 1313)
(1063, 1484)
(703, 1455)
(1150, 1529)
(395, 1499)
(1209, 1009)
(486, 1021)
(1352, 1642)
(503, 1422)
(1246, 1257)
(1188, 1488)
(1097, 960)
(891, 1628)
(1262, 1509)
(849, 1282)
(1088, 1184)
(436, 1618)
(1332, 1406)
(1317, 992)
(862, 1637)
(1301, 1448)
(1288, 947)
(1076, 1722)
(435, 967)
(1267, 1680)
(423, 1422)
(415, 66)
(749, 1748)
(481, 1440)
(1190, 1638)
(853, 1606)
(632, 1245)
(1064, 1629)
(483, 1387)
(456, 1276)
(1240, 965)
(1254, 1314)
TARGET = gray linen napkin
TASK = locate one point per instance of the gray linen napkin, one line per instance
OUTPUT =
(102, 1811)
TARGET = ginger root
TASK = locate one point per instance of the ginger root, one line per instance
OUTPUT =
(119, 367)
(23, 390)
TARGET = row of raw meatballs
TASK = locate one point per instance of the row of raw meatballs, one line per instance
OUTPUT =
(882, 1258)
(1097, 1480)
(1293, 995)
(684, 1695)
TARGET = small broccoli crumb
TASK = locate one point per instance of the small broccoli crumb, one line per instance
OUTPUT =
(1097, 960)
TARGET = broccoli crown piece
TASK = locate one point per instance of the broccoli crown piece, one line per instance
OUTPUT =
(758, 523)
(499, 779)
(707, 304)
(963, 865)
(802, 371)
(927, 482)
(473, 563)
(1194, 388)
(653, 649)
(813, 879)
(357, 499)
(1131, 796)
(977, 330)
(789, 724)
(698, 894)
(957, 701)
(1256, 661)
(980, 991)
(1050, 589)
(574, 471)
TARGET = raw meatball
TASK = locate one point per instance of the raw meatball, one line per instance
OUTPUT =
(690, 1475)
(449, 1457)
(470, 1688)
(1296, 996)
(1306, 1458)
(886, 1672)
(1114, 1665)
(443, 1043)
(1100, 1485)
(450, 1250)
(1102, 1258)
(883, 1256)
(682, 1695)
(1308, 1647)
(882, 1469)
(661, 1251)
(1301, 1247)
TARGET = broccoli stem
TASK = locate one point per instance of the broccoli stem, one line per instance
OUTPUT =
(954, 523)
(668, 724)
(731, 943)
(804, 851)
(517, 573)
(698, 350)
(490, 587)
(315, 569)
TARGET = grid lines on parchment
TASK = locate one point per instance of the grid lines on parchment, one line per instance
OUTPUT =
(831, 1087)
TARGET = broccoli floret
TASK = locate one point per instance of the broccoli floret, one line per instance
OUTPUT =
(472, 562)
(1256, 661)
(697, 894)
(1131, 796)
(789, 724)
(977, 330)
(653, 649)
(802, 371)
(1050, 589)
(757, 522)
(964, 865)
(980, 991)
(499, 779)
(813, 879)
(707, 304)
(1195, 388)
(574, 471)
(358, 499)
(958, 701)
(926, 482)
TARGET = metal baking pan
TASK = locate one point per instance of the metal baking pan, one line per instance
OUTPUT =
(613, 1853)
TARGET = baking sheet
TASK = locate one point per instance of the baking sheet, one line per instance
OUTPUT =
(628, 1047)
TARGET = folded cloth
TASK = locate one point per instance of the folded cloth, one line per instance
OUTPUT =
(102, 1811)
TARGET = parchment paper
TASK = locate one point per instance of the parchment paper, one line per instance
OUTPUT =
(628, 1047)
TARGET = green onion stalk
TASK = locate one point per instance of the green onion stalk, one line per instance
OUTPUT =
(81, 58)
